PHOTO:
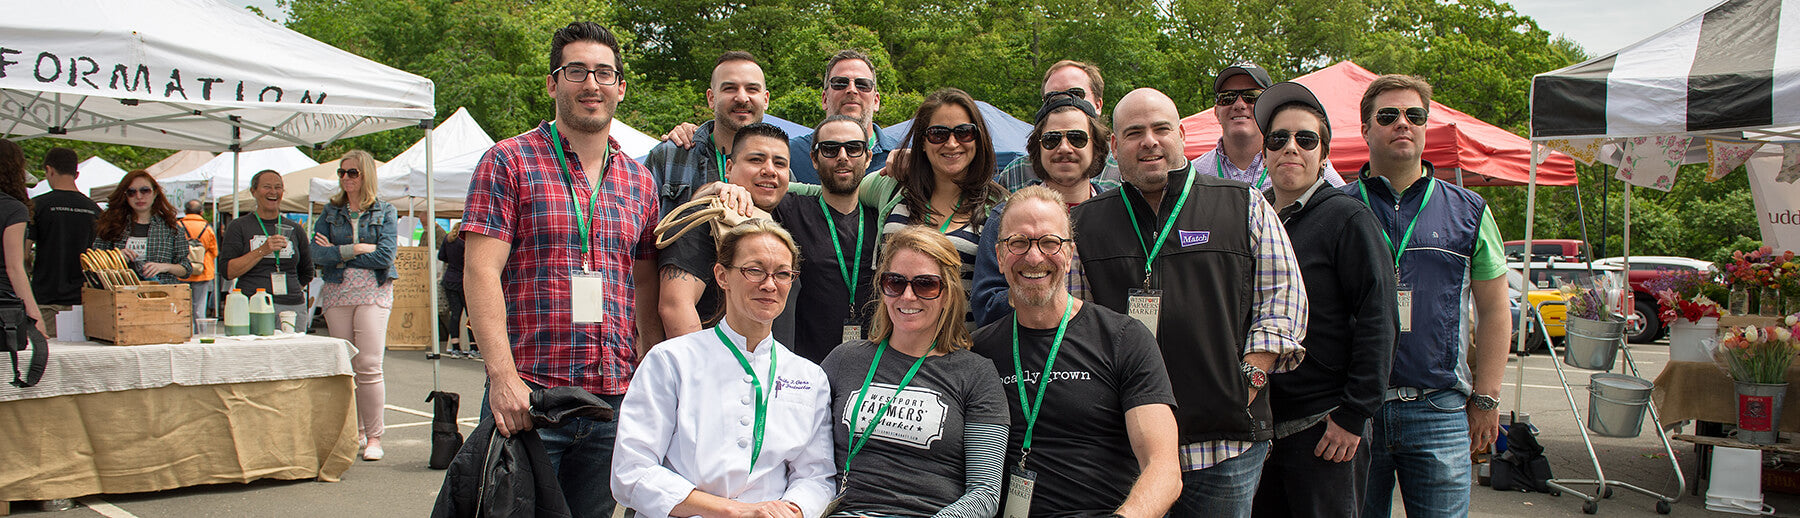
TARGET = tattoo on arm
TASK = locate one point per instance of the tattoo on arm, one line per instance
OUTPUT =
(671, 273)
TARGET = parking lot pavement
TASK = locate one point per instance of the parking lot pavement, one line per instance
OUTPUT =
(401, 485)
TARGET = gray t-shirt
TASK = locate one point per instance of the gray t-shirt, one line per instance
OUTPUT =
(295, 262)
(912, 465)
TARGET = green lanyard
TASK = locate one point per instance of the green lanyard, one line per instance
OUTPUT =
(948, 218)
(852, 272)
(581, 220)
(1430, 185)
(856, 442)
(265, 229)
(1151, 251)
(762, 402)
(720, 155)
(1259, 180)
(1028, 408)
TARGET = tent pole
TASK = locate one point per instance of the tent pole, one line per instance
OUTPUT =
(1605, 223)
(1525, 309)
(1625, 254)
(431, 263)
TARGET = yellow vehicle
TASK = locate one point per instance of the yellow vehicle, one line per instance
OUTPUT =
(1546, 279)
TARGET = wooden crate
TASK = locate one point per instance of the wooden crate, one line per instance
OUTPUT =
(138, 315)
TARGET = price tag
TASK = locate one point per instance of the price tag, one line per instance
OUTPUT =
(1404, 304)
(278, 283)
(1019, 484)
(1146, 306)
(586, 305)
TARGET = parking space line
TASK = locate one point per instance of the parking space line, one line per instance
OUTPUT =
(104, 508)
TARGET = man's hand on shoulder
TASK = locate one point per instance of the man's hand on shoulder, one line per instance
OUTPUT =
(681, 135)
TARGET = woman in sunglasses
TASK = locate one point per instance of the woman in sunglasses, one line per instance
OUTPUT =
(141, 224)
(354, 243)
(727, 421)
(15, 212)
(952, 188)
(937, 447)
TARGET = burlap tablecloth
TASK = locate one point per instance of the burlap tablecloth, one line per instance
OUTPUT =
(1701, 391)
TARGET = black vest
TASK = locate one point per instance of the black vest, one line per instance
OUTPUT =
(1207, 274)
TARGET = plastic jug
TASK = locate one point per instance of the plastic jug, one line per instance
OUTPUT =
(237, 313)
(262, 313)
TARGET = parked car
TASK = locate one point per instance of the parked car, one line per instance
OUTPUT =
(1646, 326)
(1563, 250)
(1546, 279)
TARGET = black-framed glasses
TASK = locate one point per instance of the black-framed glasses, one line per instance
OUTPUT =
(1051, 139)
(925, 287)
(1278, 139)
(1415, 115)
(964, 133)
(1049, 244)
(1076, 92)
(139, 191)
(606, 76)
(349, 173)
(830, 148)
(1229, 97)
(841, 83)
(757, 275)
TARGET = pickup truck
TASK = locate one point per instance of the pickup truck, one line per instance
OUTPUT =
(1563, 250)
(1647, 327)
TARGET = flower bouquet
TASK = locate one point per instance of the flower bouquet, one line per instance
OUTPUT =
(1686, 294)
(1757, 359)
(1591, 299)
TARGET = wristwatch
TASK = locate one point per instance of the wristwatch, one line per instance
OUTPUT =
(1255, 376)
(1484, 402)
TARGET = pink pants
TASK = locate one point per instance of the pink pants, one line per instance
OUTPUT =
(364, 325)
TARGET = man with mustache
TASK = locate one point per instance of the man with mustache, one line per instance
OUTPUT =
(1205, 264)
(1066, 78)
(838, 237)
(1239, 154)
(739, 94)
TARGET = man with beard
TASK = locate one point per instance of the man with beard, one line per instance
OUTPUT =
(838, 236)
(1092, 424)
(1209, 255)
(560, 247)
(690, 296)
(1239, 154)
(738, 96)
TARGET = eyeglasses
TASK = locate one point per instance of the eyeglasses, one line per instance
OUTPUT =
(140, 191)
(841, 83)
(349, 173)
(1077, 92)
(964, 132)
(758, 275)
(1077, 139)
(1050, 244)
(606, 76)
(1230, 97)
(829, 148)
(925, 287)
(1387, 116)
(1278, 139)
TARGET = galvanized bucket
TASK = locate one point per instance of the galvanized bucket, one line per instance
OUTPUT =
(1616, 404)
(1592, 344)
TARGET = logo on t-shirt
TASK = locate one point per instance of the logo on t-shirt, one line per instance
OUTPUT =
(915, 419)
(1193, 237)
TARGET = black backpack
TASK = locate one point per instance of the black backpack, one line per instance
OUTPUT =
(1523, 467)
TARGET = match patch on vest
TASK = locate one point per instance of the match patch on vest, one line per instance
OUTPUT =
(1193, 237)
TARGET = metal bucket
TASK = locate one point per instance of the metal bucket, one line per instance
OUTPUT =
(1759, 411)
(1592, 344)
(1616, 404)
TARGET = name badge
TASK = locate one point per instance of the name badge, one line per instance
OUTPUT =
(1404, 305)
(586, 305)
(853, 330)
(278, 283)
(1019, 484)
(1145, 305)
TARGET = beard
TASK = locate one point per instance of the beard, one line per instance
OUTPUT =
(829, 180)
(566, 112)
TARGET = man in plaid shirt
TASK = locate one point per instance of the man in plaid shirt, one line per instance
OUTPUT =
(560, 256)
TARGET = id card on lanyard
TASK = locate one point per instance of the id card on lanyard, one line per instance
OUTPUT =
(586, 286)
(1403, 296)
(850, 271)
(1145, 304)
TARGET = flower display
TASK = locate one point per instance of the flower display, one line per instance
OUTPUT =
(1759, 354)
(1592, 299)
(1689, 294)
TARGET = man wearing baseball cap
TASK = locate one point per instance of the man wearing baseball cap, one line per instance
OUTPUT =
(1238, 155)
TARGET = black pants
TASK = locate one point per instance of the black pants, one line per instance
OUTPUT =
(448, 327)
(1297, 483)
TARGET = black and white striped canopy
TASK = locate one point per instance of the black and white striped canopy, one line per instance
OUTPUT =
(1734, 67)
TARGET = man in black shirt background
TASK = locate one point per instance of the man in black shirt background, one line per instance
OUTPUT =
(62, 227)
(833, 298)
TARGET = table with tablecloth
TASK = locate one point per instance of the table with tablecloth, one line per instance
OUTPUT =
(1700, 391)
(127, 419)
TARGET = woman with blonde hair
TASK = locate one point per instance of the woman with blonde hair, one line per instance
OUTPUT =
(354, 243)
(919, 421)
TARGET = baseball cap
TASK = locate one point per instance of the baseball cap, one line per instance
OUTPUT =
(1283, 93)
(1250, 69)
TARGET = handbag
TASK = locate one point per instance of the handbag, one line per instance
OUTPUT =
(16, 331)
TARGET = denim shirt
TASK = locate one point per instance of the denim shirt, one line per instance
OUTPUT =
(376, 226)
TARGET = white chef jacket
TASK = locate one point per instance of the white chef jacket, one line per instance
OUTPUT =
(686, 424)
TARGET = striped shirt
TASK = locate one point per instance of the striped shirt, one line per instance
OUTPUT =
(966, 238)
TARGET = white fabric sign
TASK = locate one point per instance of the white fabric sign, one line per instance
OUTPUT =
(1777, 204)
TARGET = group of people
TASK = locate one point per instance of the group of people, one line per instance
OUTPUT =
(1104, 328)
(351, 244)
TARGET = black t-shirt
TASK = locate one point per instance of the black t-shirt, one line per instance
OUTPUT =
(912, 464)
(246, 233)
(62, 228)
(695, 253)
(823, 297)
(12, 212)
(1108, 363)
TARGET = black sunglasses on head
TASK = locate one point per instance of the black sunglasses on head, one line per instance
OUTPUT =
(1278, 139)
(830, 148)
(925, 287)
(350, 173)
(1051, 139)
(964, 132)
(1229, 97)
(1076, 92)
(841, 83)
(1415, 115)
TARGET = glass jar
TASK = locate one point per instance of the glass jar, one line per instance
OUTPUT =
(1739, 303)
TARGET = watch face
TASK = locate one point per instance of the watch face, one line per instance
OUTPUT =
(1258, 379)
(1485, 402)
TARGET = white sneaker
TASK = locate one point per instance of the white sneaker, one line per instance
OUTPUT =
(373, 453)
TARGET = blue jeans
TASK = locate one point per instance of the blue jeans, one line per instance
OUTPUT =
(581, 451)
(1425, 445)
(1225, 490)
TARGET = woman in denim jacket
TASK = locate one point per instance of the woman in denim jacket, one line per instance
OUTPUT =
(354, 244)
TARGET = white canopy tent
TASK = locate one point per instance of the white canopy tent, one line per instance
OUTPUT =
(636, 144)
(213, 179)
(403, 179)
(94, 172)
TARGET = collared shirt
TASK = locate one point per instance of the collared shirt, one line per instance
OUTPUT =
(678, 172)
(519, 195)
(687, 425)
(1019, 173)
(1208, 163)
(1288, 211)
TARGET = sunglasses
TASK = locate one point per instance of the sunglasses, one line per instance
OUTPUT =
(1230, 97)
(1048, 244)
(1077, 92)
(139, 191)
(830, 148)
(349, 173)
(841, 83)
(1387, 116)
(1077, 139)
(964, 132)
(1278, 139)
(925, 287)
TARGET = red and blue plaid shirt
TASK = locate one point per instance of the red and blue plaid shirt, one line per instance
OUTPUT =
(519, 195)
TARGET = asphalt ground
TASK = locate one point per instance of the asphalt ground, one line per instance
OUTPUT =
(401, 485)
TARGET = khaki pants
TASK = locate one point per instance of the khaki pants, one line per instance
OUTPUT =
(49, 311)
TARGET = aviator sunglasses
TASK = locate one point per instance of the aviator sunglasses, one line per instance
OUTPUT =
(964, 132)
(1278, 139)
(830, 148)
(1077, 139)
(1387, 116)
(841, 83)
(1230, 97)
(925, 287)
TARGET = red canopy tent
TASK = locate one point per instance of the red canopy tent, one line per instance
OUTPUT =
(1454, 141)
